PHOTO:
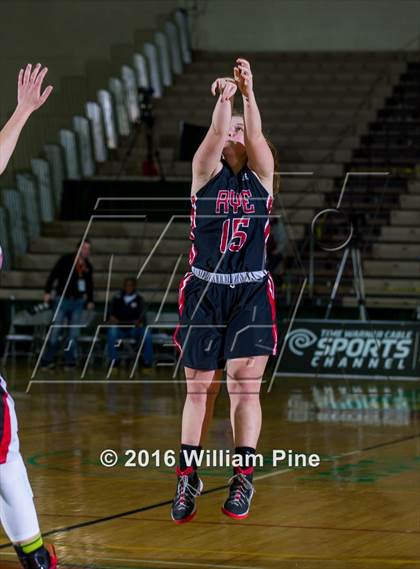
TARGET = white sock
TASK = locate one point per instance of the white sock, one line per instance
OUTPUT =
(17, 509)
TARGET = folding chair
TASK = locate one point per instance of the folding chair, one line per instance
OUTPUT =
(32, 324)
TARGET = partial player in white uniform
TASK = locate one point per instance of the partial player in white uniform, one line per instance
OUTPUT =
(17, 510)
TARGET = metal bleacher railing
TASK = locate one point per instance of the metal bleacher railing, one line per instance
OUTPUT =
(88, 141)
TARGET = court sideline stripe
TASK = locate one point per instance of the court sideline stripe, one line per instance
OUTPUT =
(211, 491)
(152, 561)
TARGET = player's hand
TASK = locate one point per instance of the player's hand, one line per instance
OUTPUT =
(30, 94)
(225, 87)
(90, 306)
(47, 298)
(243, 76)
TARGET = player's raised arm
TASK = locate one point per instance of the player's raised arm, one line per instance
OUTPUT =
(207, 158)
(30, 98)
(260, 157)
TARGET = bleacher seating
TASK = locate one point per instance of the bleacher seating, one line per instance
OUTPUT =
(386, 206)
(326, 115)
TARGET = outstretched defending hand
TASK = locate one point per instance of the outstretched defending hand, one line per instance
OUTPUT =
(30, 81)
(29, 99)
(225, 86)
(243, 76)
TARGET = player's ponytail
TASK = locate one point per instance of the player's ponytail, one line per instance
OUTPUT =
(276, 175)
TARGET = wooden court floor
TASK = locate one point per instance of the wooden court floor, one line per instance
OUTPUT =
(359, 509)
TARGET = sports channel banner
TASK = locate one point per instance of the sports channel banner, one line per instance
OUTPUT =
(350, 348)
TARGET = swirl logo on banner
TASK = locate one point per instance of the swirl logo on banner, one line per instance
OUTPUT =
(299, 339)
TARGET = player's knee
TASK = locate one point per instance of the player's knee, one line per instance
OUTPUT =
(199, 385)
(197, 394)
(243, 390)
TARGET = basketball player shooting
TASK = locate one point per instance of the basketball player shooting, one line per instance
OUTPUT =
(226, 301)
(17, 510)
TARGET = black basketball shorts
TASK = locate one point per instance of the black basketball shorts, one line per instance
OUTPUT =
(218, 322)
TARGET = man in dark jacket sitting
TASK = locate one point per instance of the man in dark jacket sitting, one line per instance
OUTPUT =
(128, 313)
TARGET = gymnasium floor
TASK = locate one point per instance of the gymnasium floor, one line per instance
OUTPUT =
(359, 509)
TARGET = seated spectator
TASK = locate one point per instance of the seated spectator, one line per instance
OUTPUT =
(71, 281)
(128, 307)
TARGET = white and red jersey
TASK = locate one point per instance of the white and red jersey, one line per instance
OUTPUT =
(9, 442)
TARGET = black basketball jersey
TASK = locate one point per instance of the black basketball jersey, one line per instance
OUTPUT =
(230, 223)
